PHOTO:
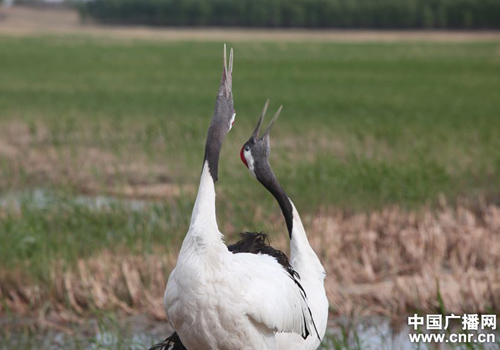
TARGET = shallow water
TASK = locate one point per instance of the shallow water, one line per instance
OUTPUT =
(42, 198)
(139, 332)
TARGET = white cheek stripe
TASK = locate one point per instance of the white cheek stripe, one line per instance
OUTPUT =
(250, 161)
(232, 121)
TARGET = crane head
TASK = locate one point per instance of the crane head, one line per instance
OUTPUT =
(222, 119)
(255, 152)
(224, 113)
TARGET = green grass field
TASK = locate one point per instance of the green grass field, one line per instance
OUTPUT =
(364, 126)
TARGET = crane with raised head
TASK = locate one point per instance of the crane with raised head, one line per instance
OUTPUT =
(215, 298)
(255, 155)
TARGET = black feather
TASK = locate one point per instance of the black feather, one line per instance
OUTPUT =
(171, 343)
(258, 243)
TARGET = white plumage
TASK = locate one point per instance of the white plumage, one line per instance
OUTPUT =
(255, 155)
(312, 277)
(219, 300)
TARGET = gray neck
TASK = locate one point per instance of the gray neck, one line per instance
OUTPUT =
(213, 146)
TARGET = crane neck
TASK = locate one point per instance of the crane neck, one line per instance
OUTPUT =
(296, 231)
(204, 206)
(270, 182)
(303, 258)
(204, 212)
(215, 138)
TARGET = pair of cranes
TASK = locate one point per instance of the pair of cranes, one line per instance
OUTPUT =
(247, 295)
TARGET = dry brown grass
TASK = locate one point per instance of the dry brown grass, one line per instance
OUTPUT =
(389, 262)
(34, 159)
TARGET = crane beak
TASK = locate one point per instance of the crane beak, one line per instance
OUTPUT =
(270, 126)
(226, 82)
(255, 134)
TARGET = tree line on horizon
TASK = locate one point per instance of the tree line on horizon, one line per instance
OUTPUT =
(382, 14)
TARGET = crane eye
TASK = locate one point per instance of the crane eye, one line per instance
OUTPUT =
(247, 148)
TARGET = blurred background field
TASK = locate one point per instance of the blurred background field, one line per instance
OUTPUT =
(388, 144)
(452, 14)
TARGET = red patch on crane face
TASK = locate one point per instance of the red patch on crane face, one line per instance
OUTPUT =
(243, 159)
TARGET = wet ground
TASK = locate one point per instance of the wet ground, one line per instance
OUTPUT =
(139, 332)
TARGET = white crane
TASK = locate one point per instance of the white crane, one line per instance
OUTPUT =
(255, 155)
(216, 299)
